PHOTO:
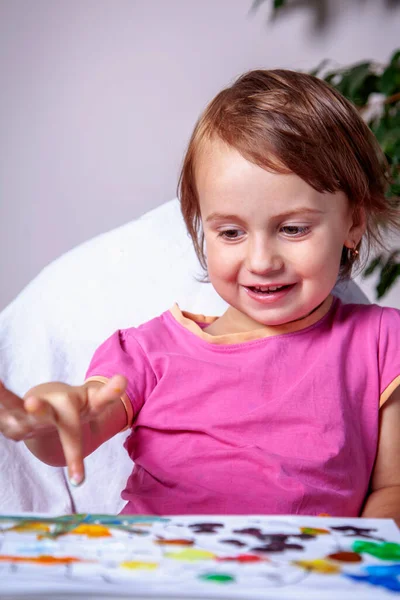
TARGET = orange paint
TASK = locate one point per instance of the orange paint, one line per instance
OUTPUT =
(163, 542)
(44, 559)
(92, 531)
(314, 530)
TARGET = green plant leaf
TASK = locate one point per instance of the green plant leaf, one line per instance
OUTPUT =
(389, 275)
(357, 83)
(357, 76)
(387, 132)
(390, 80)
(395, 58)
(394, 190)
(373, 265)
(369, 86)
(343, 82)
(329, 77)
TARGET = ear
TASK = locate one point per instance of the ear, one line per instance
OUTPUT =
(358, 226)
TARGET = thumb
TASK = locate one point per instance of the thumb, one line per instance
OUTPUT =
(108, 393)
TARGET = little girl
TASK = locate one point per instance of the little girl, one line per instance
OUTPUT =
(288, 402)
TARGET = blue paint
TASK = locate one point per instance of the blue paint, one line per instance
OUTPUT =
(121, 519)
(388, 580)
(383, 570)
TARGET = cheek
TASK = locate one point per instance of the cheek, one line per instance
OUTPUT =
(221, 263)
(217, 266)
(321, 260)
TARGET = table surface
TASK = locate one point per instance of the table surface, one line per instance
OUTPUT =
(137, 539)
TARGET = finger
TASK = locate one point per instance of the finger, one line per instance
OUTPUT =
(13, 426)
(39, 409)
(70, 434)
(108, 393)
(8, 399)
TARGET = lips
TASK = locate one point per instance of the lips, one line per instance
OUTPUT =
(267, 289)
(268, 295)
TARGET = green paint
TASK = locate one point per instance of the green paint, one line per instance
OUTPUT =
(217, 577)
(384, 551)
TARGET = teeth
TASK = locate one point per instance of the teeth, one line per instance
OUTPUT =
(268, 289)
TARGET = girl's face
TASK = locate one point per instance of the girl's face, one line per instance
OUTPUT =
(273, 243)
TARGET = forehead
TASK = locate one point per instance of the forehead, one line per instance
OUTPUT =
(219, 164)
(228, 182)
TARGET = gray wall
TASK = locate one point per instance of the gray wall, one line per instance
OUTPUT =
(98, 98)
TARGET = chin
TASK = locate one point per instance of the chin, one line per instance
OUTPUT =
(275, 317)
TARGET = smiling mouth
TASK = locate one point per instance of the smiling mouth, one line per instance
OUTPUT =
(268, 290)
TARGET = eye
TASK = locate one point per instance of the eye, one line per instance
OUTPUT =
(230, 234)
(295, 230)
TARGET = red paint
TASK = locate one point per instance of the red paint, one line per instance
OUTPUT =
(242, 558)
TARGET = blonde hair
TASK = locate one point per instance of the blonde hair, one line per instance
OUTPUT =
(287, 121)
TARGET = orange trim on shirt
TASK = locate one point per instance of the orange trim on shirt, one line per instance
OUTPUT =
(124, 399)
(190, 321)
(389, 391)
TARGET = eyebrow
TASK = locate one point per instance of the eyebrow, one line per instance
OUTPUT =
(230, 217)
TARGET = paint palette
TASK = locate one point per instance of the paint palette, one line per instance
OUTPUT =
(199, 557)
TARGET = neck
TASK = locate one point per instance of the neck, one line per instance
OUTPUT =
(234, 322)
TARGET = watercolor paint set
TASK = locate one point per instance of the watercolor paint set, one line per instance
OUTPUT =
(241, 557)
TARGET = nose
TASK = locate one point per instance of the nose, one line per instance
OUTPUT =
(263, 257)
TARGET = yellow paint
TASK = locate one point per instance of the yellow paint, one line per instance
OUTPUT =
(319, 565)
(135, 564)
(191, 554)
(92, 531)
(27, 527)
(314, 531)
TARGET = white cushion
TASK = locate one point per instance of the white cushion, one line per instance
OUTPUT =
(49, 332)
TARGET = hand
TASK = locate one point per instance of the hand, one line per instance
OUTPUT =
(50, 418)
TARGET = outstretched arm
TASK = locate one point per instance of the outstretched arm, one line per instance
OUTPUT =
(384, 499)
(61, 424)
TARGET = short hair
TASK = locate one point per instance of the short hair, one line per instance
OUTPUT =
(291, 122)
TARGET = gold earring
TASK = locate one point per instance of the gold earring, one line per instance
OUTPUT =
(352, 254)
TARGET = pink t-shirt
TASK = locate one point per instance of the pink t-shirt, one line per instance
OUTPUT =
(286, 424)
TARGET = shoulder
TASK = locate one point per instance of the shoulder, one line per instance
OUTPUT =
(372, 316)
(363, 314)
(390, 316)
(369, 323)
(154, 331)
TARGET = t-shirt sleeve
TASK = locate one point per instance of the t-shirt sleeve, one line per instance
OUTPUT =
(389, 352)
(121, 354)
